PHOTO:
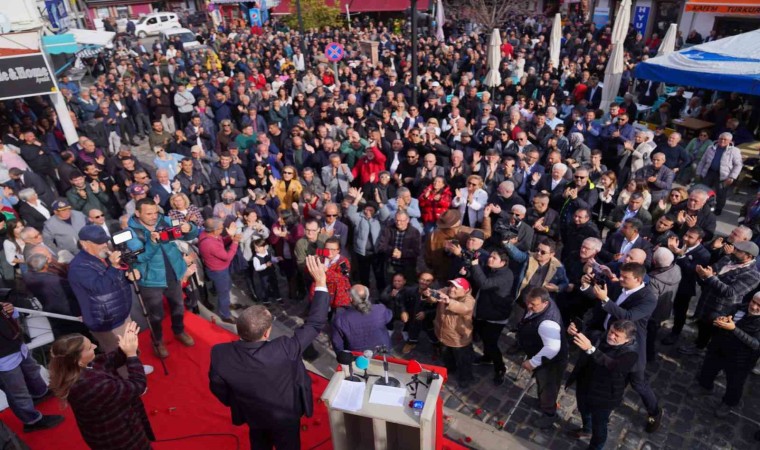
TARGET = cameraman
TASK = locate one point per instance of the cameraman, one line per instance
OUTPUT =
(100, 283)
(510, 227)
(464, 257)
(161, 267)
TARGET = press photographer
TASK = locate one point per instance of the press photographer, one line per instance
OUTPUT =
(161, 268)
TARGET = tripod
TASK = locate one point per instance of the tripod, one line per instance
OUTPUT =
(153, 339)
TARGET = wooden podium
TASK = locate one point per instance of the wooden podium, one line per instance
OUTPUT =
(381, 427)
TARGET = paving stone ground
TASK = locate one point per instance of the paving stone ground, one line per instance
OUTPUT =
(688, 423)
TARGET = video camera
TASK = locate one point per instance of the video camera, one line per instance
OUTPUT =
(505, 231)
(467, 257)
(119, 241)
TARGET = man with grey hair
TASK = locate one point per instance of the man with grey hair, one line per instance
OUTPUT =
(217, 253)
(664, 278)
(54, 293)
(551, 117)
(363, 325)
(694, 213)
(404, 202)
(719, 167)
(272, 407)
(553, 183)
(31, 209)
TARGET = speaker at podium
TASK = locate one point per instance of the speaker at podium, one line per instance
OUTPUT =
(394, 404)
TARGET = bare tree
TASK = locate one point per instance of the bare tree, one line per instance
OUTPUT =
(489, 13)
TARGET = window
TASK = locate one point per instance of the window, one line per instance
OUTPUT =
(122, 12)
(164, 18)
(152, 21)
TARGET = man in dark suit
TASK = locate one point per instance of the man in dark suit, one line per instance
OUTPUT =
(690, 254)
(553, 183)
(20, 179)
(273, 405)
(594, 93)
(632, 209)
(628, 299)
(32, 210)
(623, 241)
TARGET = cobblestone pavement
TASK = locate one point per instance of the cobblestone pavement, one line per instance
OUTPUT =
(688, 423)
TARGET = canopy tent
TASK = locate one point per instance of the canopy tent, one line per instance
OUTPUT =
(731, 64)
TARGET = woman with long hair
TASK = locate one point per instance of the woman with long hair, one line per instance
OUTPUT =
(107, 407)
(677, 195)
(607, 198)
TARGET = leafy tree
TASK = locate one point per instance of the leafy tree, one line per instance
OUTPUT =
(315, 13)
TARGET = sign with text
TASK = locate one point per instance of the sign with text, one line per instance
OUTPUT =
(640, 19)
(743, 10)
(25, 76)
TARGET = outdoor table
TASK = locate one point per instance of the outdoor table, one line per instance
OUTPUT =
(692, 126)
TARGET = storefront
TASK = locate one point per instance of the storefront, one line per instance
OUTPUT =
(727, 17)
(118, 9)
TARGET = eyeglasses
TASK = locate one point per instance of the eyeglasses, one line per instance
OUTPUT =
(542, 252)
(331, 215)
(97, 217)
(579, 178)
(287, 173)
(472, 184)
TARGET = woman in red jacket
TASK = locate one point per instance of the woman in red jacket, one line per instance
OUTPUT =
(434, 201)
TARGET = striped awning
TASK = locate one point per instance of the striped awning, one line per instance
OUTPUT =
(90, 52)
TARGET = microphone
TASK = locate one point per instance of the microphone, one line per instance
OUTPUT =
(362, 363)
(386, 380)
(346, 359)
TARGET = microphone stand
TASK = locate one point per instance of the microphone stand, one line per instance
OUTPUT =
(385, 380)
(153, 339)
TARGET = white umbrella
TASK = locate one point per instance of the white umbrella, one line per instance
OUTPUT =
(556, 41)
(439, 18)
(668, 44)
(622, 21)
(493, 78)
(614, 72)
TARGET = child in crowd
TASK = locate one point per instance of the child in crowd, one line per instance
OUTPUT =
(264, 265)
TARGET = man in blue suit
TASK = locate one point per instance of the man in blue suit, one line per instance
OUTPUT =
(273, 405)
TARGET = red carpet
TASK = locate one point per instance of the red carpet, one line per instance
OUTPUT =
(181, 404)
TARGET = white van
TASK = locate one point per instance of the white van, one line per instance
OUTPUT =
(152, 24)
(166, 37)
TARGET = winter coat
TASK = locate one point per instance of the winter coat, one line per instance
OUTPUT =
(288, 195)
(102, 291)
(495, 298)
(476, 206)
(352, 330)
(730, 163)
(664, 281)
(363, 227)
(365, 168)
(601, 376)
(721, 292)
(741, 345)
(453, 322)
(63, 235)
(435, 254)
(151, 262)
(431, 208)
(338, 285)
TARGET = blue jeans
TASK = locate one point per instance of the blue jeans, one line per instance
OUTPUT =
(22, 385)
(223, 284)
(594, 420)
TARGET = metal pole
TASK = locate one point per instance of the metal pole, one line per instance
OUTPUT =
(415, 68)
(300, 28)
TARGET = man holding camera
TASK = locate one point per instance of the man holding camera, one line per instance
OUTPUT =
(101, 285)
(161, 268)
(453, 327)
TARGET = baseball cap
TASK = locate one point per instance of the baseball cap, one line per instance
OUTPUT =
(478, 234)
(60, 204)
(461, 283)
(93, 233)
(136, 189)
(747, 247)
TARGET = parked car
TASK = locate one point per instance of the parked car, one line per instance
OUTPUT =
(188, 38)
(152, 24)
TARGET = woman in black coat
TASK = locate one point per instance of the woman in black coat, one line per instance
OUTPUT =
(601, 373)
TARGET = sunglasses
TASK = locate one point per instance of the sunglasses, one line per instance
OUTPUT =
(331, 215)
(542, 252)
(97, 217)
(580, 178)
(287, 173)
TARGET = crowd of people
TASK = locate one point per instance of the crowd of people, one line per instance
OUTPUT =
(472, 213)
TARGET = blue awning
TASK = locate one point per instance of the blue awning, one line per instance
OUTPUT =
(60, 43)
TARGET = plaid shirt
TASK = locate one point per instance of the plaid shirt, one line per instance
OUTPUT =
(399, 244)
(721, 291)
(108, 409)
